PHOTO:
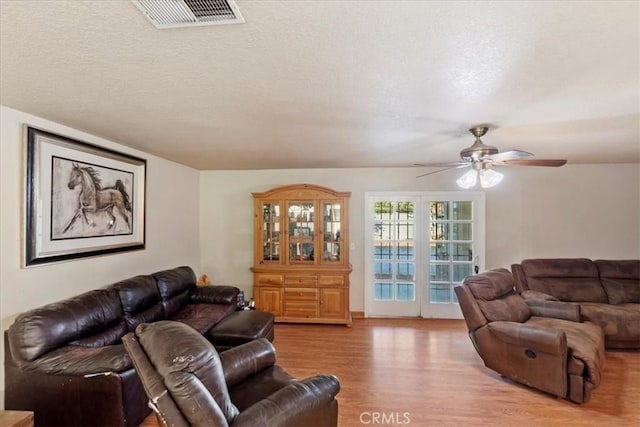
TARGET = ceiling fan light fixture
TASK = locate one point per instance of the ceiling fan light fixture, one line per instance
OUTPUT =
(468, 180)
(489, 178)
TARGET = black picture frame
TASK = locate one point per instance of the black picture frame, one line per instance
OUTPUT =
(81, 199)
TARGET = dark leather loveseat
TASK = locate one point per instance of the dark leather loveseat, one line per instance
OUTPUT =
(66, 362)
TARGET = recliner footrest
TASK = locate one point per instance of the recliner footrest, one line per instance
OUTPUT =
(241, 327)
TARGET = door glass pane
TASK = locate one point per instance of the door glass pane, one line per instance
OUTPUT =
(394, 250)
(439, 293)
(331, 231)
(439, 210)
(461, 210)
(383, 291)
(460, 271)
(462, 251)
(405, 292)
(439, 251)
(383, 250)
(405, 251)
(461, 231)
(439, 231)
(271, 232)
(384, 270)
(301, 231)
(439, 272)
(450, 248)
(405, 271)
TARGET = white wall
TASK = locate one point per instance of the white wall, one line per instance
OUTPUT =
(575, 211)
(172, 217)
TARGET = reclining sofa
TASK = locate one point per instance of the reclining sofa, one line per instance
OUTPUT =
(541, 344)
(606, 291)
(66, 362)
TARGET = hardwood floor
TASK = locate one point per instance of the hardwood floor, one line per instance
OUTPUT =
(420, 372)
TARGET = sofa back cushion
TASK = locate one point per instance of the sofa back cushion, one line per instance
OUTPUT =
(620, 280)
(140, 300)
(493, 290)
(568, 279)
(91, 319)
(174, 286)
(191, 370)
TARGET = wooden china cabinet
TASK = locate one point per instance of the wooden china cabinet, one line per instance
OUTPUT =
(301, 266)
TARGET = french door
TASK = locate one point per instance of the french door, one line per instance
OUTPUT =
(419, 247)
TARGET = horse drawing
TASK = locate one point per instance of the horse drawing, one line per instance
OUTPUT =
(94, 199)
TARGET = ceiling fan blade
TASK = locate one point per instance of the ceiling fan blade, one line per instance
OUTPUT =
(462, 165)
(442, 164)
(554, 163)
(507, 155)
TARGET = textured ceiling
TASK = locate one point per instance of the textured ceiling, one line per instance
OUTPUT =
(312, 84)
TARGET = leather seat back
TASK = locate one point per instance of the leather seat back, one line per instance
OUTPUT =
(91, 319)
(174, 286)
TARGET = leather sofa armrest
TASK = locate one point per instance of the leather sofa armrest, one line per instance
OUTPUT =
(537, 296)
(245, 360)
(555, 309)
(290, 404)
(218, 294)
(536, 338)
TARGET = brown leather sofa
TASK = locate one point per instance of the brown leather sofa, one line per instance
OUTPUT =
(65, 361)
(189, 384)
(606, 291)
(541, 344)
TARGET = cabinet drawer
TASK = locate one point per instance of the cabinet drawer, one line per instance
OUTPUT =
(301, 309)
(301, 280)
(268, 279)
(331, 280)
(300, 294)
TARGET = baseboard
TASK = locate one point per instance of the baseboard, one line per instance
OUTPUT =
(357, 314)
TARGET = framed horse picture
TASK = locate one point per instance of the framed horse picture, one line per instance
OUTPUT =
(81, 200)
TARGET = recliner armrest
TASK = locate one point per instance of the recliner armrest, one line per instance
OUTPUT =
(291, 403)
(556, 309)
(547, 340)
(537, 296)
(243, 361)
(218, 294)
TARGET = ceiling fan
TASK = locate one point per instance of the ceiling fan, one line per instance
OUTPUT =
(483, 158)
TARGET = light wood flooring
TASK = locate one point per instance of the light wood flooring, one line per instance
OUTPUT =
(417, 372)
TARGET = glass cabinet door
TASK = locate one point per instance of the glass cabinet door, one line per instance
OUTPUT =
(271, 231)
(331, 240)
(301, 232)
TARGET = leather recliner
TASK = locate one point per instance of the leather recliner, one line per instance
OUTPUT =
(541, 344)
(189, 384)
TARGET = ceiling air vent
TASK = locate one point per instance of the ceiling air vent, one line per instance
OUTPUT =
(187, 13)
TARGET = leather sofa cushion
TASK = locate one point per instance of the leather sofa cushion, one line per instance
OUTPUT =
(110, 336)
(495, 295)
(509, 308)
(137, 294)
(491, 284)
(191, 369)
(568, 279)
(619, 322)
(76, 360)
(174, 286)
(43, 329)
(620, 279)
(140, 300)
(202, 317)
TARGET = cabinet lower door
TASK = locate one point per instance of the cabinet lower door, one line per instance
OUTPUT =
(332, 303)
(269, 299)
